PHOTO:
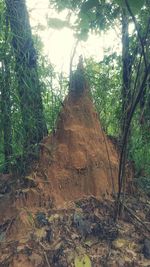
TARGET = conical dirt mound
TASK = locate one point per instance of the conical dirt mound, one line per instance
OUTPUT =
(78, 160)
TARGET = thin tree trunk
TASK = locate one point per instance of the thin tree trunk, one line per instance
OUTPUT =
(126, 70)
(26, 69)
(126, 102)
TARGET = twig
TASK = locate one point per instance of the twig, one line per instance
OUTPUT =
(12, 220)
(47, 261)
(136, 217)
(43, 247)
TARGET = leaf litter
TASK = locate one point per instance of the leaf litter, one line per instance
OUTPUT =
(85, 235)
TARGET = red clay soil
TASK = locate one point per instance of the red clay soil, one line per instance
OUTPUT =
(78, 159)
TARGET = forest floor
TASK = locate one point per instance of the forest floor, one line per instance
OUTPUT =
(62, 213)
(83, 234)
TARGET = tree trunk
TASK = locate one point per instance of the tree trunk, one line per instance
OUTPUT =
(126, 70)
(6, 103)
(126, 102)
(26, 69)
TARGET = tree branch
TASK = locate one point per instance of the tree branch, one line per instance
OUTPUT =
(138, 32)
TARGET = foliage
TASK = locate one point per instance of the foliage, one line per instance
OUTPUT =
(135, 5)
(140, 149)
(55, 87)
(105, 84)
(91, 15)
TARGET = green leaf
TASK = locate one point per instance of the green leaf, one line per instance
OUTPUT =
(82, 261)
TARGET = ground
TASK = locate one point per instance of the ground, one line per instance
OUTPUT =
(83, 235)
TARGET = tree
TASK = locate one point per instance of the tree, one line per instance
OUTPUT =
(5, 95)
(126, 68)
(29, 88)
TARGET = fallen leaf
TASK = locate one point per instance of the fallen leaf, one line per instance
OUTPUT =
(82, 261)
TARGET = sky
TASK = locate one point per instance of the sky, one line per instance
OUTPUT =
(59, 44)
